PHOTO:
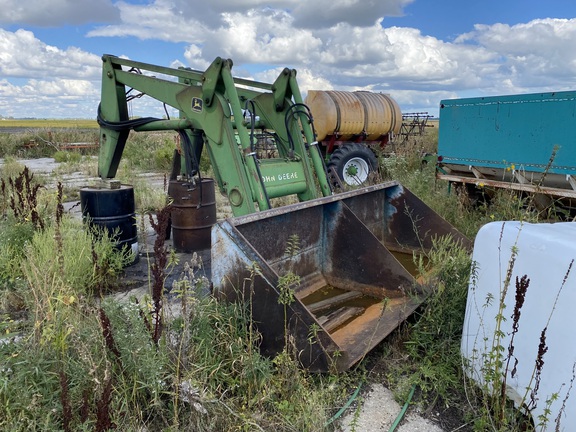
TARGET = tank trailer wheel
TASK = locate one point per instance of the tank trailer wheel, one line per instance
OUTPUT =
(353, 163)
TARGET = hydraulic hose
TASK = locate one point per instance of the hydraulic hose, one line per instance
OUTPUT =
(252, 112)
(124, 124)
(191, 162)
(292, 112)
(252, 153)
(189, 156)
(305, 110)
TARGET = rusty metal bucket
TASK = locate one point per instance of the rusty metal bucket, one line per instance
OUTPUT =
(354, 263)
(193, 214)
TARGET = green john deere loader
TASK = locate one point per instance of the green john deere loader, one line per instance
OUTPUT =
(349, 255)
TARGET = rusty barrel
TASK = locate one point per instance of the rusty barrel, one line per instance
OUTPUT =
(193, 214)
(114, 211)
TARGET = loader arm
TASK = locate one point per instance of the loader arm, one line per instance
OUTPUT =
(355, 251)
(212, 104)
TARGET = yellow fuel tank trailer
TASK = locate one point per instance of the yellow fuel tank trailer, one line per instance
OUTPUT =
(349, 125)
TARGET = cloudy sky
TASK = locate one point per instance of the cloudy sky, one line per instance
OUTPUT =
(419, 51)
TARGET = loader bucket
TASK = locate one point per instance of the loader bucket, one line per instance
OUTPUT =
(354, 262)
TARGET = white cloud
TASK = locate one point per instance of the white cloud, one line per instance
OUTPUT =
(420, 101)
(49, 98)
(53, 13)
(348, 45)
(254, 37)
(386, 58)
(540, 53)
(425, 60)
(8, 90)
(193, 55)
(307, 79)
(182, 21)
(334, 44)
(327, 13)
(53, 78)
(64, 88)
(161, 20)
(343, 54)
(23, 55)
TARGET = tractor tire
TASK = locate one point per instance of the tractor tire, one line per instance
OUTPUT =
(352, 163)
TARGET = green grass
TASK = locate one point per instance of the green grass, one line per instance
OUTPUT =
(81, 362)
(425, 351)
(87, 364)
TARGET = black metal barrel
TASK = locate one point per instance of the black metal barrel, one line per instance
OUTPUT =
(193, 214)
(113, 210)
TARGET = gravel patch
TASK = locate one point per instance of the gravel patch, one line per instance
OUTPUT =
(377, 411)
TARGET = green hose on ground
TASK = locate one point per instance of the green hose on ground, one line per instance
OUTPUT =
(352, 398)
(402, 412)
(346, 405)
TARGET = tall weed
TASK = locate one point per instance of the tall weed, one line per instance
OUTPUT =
(76, 267)
(432, 337)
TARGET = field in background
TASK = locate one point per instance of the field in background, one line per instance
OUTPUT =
(45, 123)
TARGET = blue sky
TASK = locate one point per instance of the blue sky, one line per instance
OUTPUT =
(446, 19)
(419, 51)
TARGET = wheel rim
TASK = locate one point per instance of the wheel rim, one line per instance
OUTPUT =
(355, 171)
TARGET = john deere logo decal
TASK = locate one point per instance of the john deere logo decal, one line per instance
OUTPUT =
(197, 104)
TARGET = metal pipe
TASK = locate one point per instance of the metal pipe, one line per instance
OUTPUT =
(159, 125)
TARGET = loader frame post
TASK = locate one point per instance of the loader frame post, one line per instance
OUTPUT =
(115, 109)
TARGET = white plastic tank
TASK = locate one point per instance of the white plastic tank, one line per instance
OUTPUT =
(545, 254)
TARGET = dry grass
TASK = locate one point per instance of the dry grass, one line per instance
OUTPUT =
(49, 123)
